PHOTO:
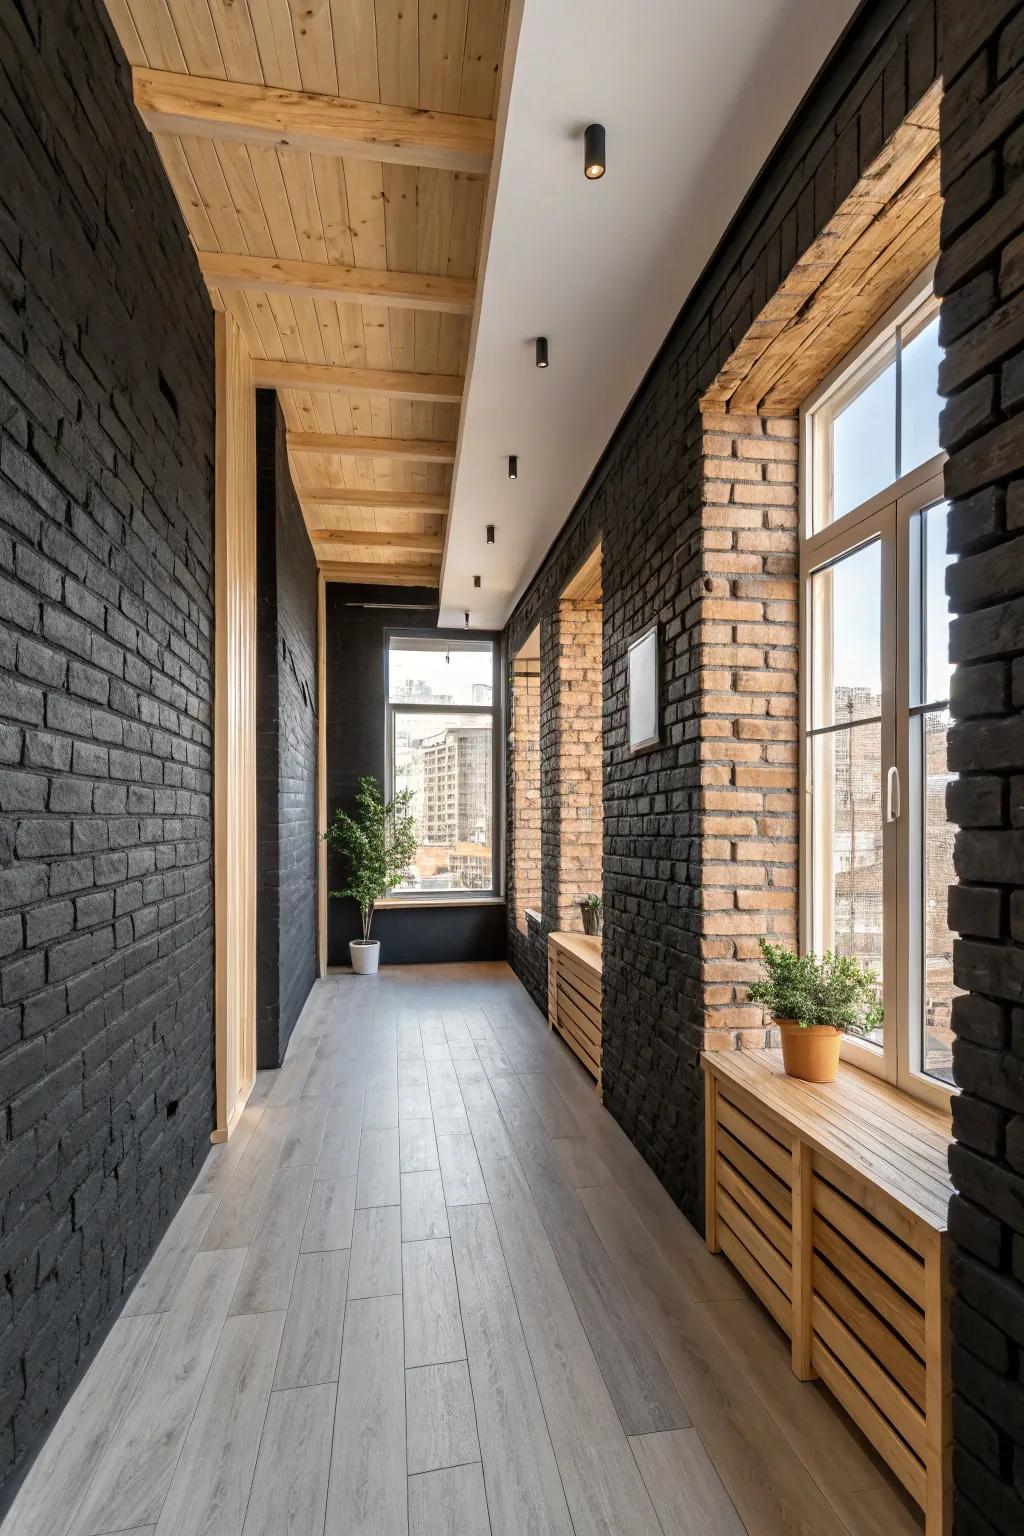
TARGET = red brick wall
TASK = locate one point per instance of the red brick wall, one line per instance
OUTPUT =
(524, 822)
(579, 758)
(746, 610)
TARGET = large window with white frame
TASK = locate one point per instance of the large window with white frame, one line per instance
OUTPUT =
(443, 746)
(876, 848)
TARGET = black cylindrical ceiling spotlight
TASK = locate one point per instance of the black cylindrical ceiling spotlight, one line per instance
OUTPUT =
(513, 466)
(542, 351)
(594, 162)
(476, 581)
(467, 618)
(490, 533)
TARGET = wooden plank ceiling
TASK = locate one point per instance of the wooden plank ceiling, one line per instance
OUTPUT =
(330, 158)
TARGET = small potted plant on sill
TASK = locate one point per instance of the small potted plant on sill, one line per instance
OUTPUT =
(378, 846)
(591, 908)
(816, 1000)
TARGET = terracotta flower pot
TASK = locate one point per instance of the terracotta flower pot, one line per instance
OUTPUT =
(810, 1053)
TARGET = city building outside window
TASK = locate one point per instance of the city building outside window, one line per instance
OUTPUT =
(442, 716)
(876, 847)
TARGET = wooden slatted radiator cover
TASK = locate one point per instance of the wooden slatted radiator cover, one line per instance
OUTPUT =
(831, 1201)
(574, 995)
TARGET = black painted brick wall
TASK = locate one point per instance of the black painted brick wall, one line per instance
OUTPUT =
(643, 501)
(286, 743)
(981, 278)
(106, 514)
(357, 621)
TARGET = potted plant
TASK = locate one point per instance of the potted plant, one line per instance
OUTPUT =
(378, 845)
(815, 1000)
(591, 907)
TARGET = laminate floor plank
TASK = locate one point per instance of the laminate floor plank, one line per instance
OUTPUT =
(311, 1344)
(640, 1386)
(339, 1150)
(828, 1444)
(289, 1487)
(582, 1163)
(461, 1175)
(414, 1099)
(433, 1324)
(380, 1108)
(685, 1489)
(879, 1512)
(524, 1490)
(161, 1279)
(489, 1133)
(223, 1159)
(332, 1207)
(133, 1477)
(558, 1119)
(603, 1488)
(266, 1279)
(210, 1488)
(305, 1134)
(441, 1422)
(424, 1213)
(772, 1490)
(377, 1182)
(46, 1502)
(375, 1261)
(449, 1111)
(242, 1201)
(451, 1502)
(368, 1494)
(417, 1146)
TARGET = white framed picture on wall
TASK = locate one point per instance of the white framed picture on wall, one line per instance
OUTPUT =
(643, 690)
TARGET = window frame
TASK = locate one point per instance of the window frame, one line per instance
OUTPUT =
(440, 640)
(888, 517)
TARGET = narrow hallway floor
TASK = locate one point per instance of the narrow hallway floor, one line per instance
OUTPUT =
(429, 1287)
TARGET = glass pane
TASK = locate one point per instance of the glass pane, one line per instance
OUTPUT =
(425, 670)
(919, 398)
(937, 876)
(935, 664)
(446, 761)
(846, 609)
(864, 444)
(847, 845)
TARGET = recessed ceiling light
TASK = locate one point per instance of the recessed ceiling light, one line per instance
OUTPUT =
(513, 466)
(542, 351)
(594, 163)
(490, 533)
(476, 581)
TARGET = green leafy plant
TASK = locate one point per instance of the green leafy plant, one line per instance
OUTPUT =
(591, 903)
(810, 990)
(378, 845)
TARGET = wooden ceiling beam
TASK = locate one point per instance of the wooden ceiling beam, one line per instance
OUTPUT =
(346, 285)
(396, 501)
(315, 124)
(405, 448)
(374, 573)
(328, 377)
(356, 538)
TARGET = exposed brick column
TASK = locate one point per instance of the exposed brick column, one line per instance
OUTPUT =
(524, 821)
(981, 280)
(746, 610)
(578, 768)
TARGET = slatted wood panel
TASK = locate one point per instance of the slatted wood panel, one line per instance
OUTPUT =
(234, 745)
(574, 995)
(882, 237)
(250, 197)
(830, 1200)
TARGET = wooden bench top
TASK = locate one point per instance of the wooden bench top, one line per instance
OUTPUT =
(584, 947)
(865, 1124)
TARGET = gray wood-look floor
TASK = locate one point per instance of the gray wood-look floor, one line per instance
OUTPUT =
(430, 1289)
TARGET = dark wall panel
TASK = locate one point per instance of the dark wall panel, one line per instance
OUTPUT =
(357, 621)
(643, 502)
(286, 744)
(981, 279)
(106, 532)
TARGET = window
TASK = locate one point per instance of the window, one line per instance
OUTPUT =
(442, 745)
(876, 848)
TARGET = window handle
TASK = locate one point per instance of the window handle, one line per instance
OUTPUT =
(892, 794)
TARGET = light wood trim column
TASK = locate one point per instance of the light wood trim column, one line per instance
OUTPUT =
(803, 1260)
(321, 770)
(938, 1392)
(234, 729)
(710, 1161)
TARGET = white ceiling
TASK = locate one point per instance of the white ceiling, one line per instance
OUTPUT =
(693, 94)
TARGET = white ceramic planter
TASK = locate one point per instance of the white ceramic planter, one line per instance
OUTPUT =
(365, 955)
